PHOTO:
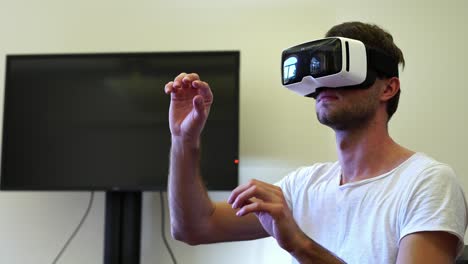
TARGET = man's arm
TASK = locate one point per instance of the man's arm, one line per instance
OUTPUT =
(194, 218)
(310, 252)
(416, 248)
(436, 202)
(259, 208)
(428, 247)
(267, 202)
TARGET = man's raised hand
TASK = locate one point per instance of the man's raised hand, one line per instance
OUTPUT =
(191, 100)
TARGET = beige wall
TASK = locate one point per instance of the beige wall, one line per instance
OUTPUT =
(278, 128)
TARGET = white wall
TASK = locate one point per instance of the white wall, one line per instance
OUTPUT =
(278, 129)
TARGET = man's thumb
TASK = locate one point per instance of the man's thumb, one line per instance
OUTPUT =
(199, 105)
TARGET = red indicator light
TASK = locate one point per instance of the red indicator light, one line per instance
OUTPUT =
(236, 161)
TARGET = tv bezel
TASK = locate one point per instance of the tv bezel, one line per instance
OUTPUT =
(10, 57)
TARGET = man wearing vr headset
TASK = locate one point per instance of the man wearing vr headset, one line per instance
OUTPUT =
(379, 203)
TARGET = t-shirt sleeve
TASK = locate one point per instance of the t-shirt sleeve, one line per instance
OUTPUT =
(436, 202)
(286, 184)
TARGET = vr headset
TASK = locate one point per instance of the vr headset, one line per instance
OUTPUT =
(333, 63)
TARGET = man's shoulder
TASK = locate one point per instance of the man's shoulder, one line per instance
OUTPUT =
(425, 160)
(420, 166)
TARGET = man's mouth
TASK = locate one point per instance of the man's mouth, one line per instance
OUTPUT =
(326, 96)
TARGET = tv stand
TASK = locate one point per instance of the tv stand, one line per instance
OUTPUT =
(122, 236)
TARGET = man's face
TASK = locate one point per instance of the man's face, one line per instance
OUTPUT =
(347, 109)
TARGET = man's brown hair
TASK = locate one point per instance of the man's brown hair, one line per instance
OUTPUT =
(374, 37)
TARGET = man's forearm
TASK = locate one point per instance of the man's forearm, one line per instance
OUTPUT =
(189, 203)
(307, 251)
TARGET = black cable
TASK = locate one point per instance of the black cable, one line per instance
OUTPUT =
(163, 229)
(91, 199)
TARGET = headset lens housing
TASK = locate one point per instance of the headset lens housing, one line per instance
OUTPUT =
(316, 59)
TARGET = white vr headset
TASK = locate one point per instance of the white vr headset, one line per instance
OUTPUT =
(332, 63)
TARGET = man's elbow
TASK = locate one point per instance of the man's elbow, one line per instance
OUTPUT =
(187, 235)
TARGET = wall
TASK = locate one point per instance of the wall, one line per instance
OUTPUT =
(278, 129)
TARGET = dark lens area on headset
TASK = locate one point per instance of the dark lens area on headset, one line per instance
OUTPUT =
(318, 65)
(325, 58)
(316, 59)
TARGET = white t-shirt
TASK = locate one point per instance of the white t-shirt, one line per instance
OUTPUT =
(363, 222)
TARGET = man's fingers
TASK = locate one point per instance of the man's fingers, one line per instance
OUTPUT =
(189, 78)
(244, 196)
(259, 206)
(239, 189)
(199, 105)
(254, 188)
(184, 80)
(187, 81)
(203, 89)
(168, 88)
(253, 207)
(178, 80)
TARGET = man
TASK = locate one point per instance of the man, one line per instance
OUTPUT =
(379, 203)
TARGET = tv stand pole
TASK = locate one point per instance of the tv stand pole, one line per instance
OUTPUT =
(122, 227)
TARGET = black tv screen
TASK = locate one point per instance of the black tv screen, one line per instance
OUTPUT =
(100, 121)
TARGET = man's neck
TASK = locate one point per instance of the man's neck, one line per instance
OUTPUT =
(368, 152)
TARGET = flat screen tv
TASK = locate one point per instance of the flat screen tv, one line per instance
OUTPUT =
(100, 121)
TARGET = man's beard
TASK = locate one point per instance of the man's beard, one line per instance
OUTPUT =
(348, 118)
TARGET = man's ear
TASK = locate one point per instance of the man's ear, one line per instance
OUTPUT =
(392, 86)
